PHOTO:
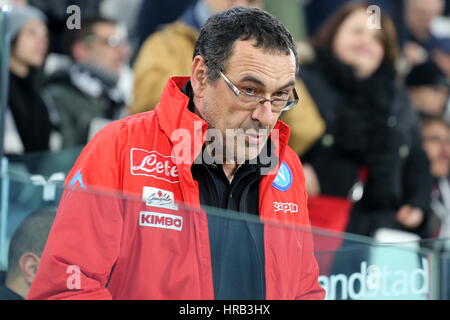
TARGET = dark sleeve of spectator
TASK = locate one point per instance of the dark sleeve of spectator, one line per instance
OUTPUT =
(447, 7)
(417, 179)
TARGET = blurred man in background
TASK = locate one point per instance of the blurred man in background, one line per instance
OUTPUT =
(428, 88)
(25, 251)
(436, 143)
(56, 11)
(418, 17)
(169, 51)
(87, 94)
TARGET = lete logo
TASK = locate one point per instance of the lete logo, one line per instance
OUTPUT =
(153, 164)
(283, 180)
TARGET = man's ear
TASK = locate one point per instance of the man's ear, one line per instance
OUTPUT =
(199, 77)
(29, 263)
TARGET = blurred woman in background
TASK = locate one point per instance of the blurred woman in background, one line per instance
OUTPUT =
(29, 118)
(372, 134)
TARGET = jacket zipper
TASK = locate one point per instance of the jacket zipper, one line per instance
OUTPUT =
(242, 207)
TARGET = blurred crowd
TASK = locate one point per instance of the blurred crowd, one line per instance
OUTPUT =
(372, 126)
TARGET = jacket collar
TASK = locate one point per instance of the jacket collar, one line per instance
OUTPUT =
(187, 131)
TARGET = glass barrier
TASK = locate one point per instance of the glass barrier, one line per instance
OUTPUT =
(350, 266)
(45, 164)
(4, 69)
(441, 249)
(372, 271)
(445, 275)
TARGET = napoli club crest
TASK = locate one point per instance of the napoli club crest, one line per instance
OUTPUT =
(283, 180)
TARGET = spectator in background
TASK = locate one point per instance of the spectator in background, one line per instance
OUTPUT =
(169, 51)
(370, 126)
(436, 142)
(86, 94)
(428, 88)
(15, 3)
(440, 53)
(154, 13)
(56, 11)
(25, 250)
(126, 13)
(31, 118)
(318, 11)
(418, 16)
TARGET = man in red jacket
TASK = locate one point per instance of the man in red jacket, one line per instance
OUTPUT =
(214, 140)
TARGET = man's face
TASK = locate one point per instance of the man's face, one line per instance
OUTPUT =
(419, 15)
(436, 143)
(430, 99)
(246, 128)
(220, 5)
(108, 48)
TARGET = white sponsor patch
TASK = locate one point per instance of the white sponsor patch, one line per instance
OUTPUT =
(153, 164)
(160, 220)
(285, 207)
(160, 198)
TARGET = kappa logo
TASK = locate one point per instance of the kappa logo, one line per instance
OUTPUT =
(155, 197)
(283, 180)
(77, 179)
(153, 164)
(160, 220)
(285, 207)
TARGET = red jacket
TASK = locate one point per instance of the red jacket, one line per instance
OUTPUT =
(103, 247)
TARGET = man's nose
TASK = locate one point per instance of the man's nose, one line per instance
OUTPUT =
(263, 114)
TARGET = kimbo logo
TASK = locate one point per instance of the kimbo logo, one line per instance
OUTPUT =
(161, 220)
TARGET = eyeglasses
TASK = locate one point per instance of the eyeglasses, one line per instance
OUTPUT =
(113, 41)
(284, 102)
